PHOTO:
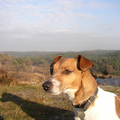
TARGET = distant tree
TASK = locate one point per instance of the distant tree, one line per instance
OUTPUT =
(46, 69)
(15, 62)
(110, 69)
(28, 65)
(28, 62)
(105, 72)
(6, 61)
(1, 60)
(20, 61)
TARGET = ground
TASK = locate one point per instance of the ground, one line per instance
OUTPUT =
(31, 102)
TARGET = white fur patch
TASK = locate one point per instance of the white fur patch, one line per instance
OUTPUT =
(70, 94)
(104, 107)
(56, 87)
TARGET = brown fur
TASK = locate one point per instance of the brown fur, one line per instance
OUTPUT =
(68, 81)
(117, 106)
(83, 63)
(55, 60)
(80, 79)
(87, 89)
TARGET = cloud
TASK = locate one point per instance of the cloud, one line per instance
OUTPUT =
(58, 12)
(60, 41)
(5, 19)
(96, 4)
(56, 25)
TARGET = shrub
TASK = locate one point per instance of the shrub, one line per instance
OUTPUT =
(6, 79)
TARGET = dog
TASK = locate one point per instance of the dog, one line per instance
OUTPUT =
(72, 77)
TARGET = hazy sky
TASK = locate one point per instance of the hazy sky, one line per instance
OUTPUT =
(59, 25)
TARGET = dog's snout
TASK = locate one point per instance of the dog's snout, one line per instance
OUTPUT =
(47, 86)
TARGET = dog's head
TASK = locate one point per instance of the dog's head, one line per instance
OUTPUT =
(66, 73)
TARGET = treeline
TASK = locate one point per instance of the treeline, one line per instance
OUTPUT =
(88, 54)
(10, 63)
(42, 53)
(26, 54)
(101, 58)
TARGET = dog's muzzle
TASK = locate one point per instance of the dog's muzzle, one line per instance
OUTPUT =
(47, 86)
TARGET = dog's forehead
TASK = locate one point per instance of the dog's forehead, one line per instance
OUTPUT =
(66, 62)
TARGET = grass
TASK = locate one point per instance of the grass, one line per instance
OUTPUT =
(25, 102)
(32, 103)
(112, 89)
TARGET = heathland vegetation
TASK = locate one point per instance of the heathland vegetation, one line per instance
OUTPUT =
(29, 102)
(104, 60)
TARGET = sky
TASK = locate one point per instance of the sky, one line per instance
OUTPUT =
(59, 25)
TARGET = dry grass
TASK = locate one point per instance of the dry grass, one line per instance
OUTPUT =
(10, 75)
(7, 79)
(26, 102)
(112, 89)
(32, 103)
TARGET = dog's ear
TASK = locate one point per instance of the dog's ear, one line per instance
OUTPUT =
(53, 62)
(83, 63)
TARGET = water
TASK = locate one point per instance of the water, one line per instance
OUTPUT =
(109, 81)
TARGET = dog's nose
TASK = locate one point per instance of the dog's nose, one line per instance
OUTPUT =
(46, 86)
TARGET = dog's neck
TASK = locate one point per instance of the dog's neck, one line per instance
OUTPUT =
(84, 92)
(70, 93)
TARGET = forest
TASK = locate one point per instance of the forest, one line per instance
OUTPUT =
(101, 58)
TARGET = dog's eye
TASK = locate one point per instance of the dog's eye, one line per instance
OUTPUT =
(67, 72)
(51, 70)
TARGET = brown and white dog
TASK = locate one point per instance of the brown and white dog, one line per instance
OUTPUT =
(72, 76)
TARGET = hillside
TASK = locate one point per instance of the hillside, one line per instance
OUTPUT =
(42, 53)
(26, 54)
(30, 102)
(101, 58)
